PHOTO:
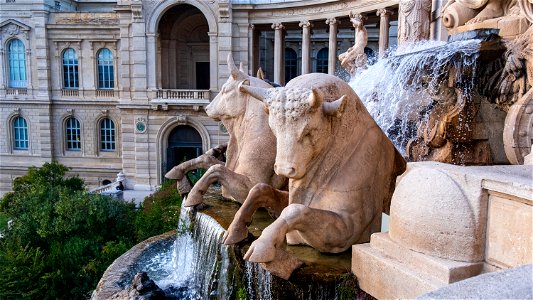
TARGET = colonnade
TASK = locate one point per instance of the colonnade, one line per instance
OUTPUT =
(333, 23)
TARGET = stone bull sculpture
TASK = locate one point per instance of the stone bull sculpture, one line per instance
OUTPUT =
(341, 168)
(251, 148)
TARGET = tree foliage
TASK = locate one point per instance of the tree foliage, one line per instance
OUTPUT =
(62, 238)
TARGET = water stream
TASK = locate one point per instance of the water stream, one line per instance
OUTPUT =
(399, 91)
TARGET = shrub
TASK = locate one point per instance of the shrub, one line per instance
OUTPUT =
(62, 238)
(160, 212)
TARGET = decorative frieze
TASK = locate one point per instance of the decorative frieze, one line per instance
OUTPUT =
(88, 18)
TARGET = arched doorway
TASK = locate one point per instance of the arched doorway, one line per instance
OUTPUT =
(184, 143)
(184, 49)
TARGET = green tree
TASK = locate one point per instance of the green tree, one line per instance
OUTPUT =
(62, 238)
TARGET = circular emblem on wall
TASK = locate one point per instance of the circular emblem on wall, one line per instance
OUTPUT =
(140, 126)
(222, 128)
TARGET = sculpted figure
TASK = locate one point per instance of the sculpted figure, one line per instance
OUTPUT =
(459, 12)
(341, 168)
(251, 148)
(355, 58)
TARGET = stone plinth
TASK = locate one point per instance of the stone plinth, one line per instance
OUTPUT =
(448, 223)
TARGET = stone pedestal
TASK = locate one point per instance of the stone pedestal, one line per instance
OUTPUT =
(448, 223)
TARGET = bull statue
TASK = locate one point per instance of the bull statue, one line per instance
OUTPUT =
(341, 167)
(250, 151)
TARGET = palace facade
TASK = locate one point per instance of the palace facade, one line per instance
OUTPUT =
(109, 86)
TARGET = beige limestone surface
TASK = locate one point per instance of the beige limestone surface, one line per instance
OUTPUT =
(341, 169)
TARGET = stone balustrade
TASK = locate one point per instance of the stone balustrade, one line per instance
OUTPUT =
(105, 93)
(70, 93)
(182, 94)
(16, 92)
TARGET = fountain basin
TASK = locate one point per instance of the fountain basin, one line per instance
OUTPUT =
(323, 276)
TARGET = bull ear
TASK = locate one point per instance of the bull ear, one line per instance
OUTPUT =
(315, 98)
(256, 92)
(335, 108)
(241, 67)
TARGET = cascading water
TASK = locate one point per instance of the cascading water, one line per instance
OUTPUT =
(399, 91)
(196, 266)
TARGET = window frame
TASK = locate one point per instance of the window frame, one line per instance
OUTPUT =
(104, 133)
(294, 67)
(16, 128)
(21, 58)
(322, 61)
(71, 67)
(109, 65)
(68, 136)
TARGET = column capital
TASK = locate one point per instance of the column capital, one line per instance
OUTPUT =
(384, 12)
(305, 24)
(332, 21)
(278, 26)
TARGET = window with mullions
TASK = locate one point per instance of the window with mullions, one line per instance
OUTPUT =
(16, 60)
(70, 69)
(291, 64)
(322, 61)
(73, 134)
(106, 79)
(107, 135)
(20, 134)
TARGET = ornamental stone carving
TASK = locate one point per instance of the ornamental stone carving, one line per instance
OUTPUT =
(413, 20)
(12, 28)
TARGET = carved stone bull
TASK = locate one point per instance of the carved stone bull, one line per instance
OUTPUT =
(251, 148)
(341, 169)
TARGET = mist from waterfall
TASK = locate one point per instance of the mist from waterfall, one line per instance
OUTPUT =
(399, 91)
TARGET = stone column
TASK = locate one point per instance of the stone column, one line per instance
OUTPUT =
(251, 50)
(332, 45)
(278, 53)
(384, 16)
(306, 46)
(414, 17)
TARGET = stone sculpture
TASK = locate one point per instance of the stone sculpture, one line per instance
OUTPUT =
(355, 58)
(466, 12)
(251, 149)
(414, 20)
(341, 169)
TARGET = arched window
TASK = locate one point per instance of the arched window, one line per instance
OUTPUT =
(20, 134)
(106, 75)
(291, 64)
(70, 69)
(73, 134)
(107, 135)
(16, 56)
(322, 61)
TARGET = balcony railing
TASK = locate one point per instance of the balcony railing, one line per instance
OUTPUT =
(105, 93)
(16, 92)
(70, 93)
(183, 94)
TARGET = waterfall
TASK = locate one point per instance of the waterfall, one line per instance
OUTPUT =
(399, 91)
(196, 266)
(258, 282)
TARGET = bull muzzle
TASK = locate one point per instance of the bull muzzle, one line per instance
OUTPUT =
(285, 170)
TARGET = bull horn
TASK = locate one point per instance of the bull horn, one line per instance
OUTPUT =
(256, 92)
(260, 74)
(315, 98)
(335, 108)
(232, 67)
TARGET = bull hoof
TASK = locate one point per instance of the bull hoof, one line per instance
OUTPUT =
(235, 234)
(261, 251)
(283, 264)
(175, 173)
(193, 199)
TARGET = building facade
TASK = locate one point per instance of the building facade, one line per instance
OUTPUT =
(106, 86)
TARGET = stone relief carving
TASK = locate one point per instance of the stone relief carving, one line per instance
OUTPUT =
(413, 20)
(334, 178)
(11, 28)
(466, 12)
(88, 18)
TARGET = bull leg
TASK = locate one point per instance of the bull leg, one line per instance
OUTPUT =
(261, 195)
(238, 184)
(203, 161)
(321, 229)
